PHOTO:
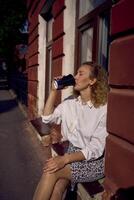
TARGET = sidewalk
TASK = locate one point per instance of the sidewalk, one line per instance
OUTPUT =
(21, 154)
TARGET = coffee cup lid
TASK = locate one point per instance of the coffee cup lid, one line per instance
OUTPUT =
(55, 84)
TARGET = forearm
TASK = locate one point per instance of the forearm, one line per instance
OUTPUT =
(74, 157)
(58, 162)
(49, 106)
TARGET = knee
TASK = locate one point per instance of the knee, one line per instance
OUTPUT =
(59, 189)
(57, 192)
(60, 186)
(48, 176)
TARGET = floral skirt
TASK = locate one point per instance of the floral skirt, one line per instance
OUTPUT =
(86, 171)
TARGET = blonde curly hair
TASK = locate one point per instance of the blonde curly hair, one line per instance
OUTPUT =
(99, 90)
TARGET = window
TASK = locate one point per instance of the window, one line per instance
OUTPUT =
(86, 44)
(48, 57)
(87, 6)
(46, 13)
(92, 29)
(49, 30)
(103, 40)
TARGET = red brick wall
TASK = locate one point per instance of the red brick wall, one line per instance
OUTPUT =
(34, 10)
(120, 164)
(57, 48)
(58, 34)
(120, 120)
(122, 17)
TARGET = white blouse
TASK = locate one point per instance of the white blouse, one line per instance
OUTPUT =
(81, 124)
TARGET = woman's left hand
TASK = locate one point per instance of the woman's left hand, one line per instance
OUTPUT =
(54, 164)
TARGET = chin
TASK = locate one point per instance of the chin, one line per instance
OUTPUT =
(76, 88)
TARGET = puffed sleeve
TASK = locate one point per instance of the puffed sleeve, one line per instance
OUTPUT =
(96, 145)
(55, 117)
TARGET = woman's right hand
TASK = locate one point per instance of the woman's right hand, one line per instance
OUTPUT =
(53, 87)
(55, 78)
(54, 164)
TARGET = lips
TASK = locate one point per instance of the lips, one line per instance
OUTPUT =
(77, 84)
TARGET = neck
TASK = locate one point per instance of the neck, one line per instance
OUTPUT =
(85, 96)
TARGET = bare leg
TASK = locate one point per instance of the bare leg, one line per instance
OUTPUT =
(59, 189)
(46, 185)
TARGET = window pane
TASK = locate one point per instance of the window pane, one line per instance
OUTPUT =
(88, 5)
(103, 41)
(50, 69)
(49, 30)
(86, 46)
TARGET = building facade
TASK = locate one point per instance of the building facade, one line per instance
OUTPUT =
(62, 35)
(120, 142)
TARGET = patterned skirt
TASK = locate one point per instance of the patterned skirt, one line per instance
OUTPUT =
(86, 171)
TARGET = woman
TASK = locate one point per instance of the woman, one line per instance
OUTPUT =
(83, 124)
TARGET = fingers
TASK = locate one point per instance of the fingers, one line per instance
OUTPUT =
(49, 160)
(58, 77)
(53, 164)
(50, 165)
(50, 170)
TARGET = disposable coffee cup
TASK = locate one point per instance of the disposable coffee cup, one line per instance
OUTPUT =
(64, 81)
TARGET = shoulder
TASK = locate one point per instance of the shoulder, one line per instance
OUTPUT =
(68, 102)
(103, 107)
(102, 110)
(69, 99)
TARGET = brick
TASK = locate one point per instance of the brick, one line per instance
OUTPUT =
(32, 106)
(39, 7)
(121, 63)
(57, 7)
(33, 34)
(58, 26)
(33, 60)
(34, 21)
(122, 17)
(32, 73)
(32, 88)
(33, 48)
(57, 67)
(57, 48)
(118, 168)
(120, 117)
(33, 7)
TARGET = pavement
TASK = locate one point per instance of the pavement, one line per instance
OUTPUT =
(21, 153)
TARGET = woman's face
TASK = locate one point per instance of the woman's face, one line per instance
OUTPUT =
(82, 78)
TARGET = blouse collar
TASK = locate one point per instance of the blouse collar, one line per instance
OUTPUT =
(89, 103)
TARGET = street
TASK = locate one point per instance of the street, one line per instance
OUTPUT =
(21, 154)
